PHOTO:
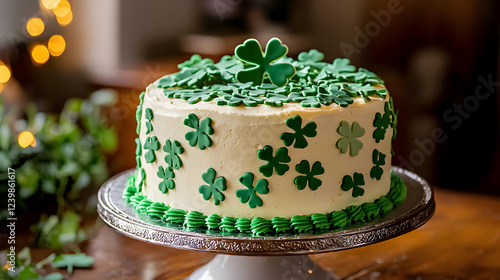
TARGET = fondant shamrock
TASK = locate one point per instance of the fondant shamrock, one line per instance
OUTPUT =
(329, 94)
(196, 62)
(214, 187)
(295, 123)
(276, 100)
(250, 193)
(378, 159)
(308, 180)
(227, 67)
(381, 123)
(311, 56)
(197, 95)
(167, 174)
(152, 145)
(350, 134)
(149, 116)
(340, 65)
(251, 52)
(173, 149)
(202, 131)
(353, 183)
(276, 162)
(236, 99)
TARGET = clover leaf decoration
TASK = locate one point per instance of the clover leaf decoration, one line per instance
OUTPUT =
(149, 116)
(202, 131)
(381, 123)
(196, 62)
(152, 144)
(72, 260)
(350, 134)
(167, 174)
(276, 100)
(308, 180)
(298, 136)
(173, 150)
(276, 162)
(340, 65)
(236, 99)
(214, 187)
(378, 158)
(251, 52)
(196, 95)
(250, 194)
(311, 56)
(353, 183)
(227, 68)
(330, 94)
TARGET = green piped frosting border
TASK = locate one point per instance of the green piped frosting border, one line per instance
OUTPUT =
(318, 222)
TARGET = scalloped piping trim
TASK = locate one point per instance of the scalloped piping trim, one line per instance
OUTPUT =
(338, 220)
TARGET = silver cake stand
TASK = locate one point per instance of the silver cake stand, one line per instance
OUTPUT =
(246, 257)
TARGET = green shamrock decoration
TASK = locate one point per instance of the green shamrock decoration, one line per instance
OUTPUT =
(251, 52)
(214, 188)
(340, 65)
(311, 56)
(353, 183)
(378, 159)
(149, 116)
(152, 144)
(173, 149)
(196, 62)
(381, 123)
(202, 131)
(295, 123)
(308, 180)
(194, 96)
(167, 174)
(275, 162)
(330, 94)
(276, 100)
(70, 261)
(227, 68)
(350, 133)
(250, 194)
(236, 99)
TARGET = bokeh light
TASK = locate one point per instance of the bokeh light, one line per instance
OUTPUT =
(62, 9)
(64, 21)
(26, 139)
(4, 73)
(35, 26)
(40, 54)
(57, 45)
(50, 4)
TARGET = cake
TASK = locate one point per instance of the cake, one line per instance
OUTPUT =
(260, 143)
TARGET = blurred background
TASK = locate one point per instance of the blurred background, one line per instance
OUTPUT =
(439, 60)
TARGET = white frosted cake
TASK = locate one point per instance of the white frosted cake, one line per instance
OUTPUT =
(260, 143)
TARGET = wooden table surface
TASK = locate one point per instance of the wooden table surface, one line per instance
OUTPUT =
(461, 241)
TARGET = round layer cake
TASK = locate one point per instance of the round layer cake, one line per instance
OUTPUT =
(259, 138)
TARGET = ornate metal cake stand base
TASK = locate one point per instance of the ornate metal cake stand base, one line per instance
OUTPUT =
(266, 257)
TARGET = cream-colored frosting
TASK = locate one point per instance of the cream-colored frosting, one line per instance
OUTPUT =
(239, 132)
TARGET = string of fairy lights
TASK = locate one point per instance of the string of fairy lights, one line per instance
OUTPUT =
(41, 51)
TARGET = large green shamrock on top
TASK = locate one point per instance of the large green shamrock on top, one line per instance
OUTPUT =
(250, 194)
(251, 52)
(349, 139)
(202, 131)
(214, 187)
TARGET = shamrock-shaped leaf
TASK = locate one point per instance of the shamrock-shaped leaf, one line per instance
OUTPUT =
(227, 67)
(173, 150)
(196, 62)
(149, 116)
(250, 194)
(70, 261)
(196, 95)
(308, 180)
(378, 158)
(214, 188)
(340, 65)
(152, 144)
(236, 99)
(276, 162)
(381, 123)
(350, 133)
(167, 174)
(276, 100)
(251, 52)
(328, 95)
(295, 123)
(202, 131)
(353, 183)
(311, 56)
